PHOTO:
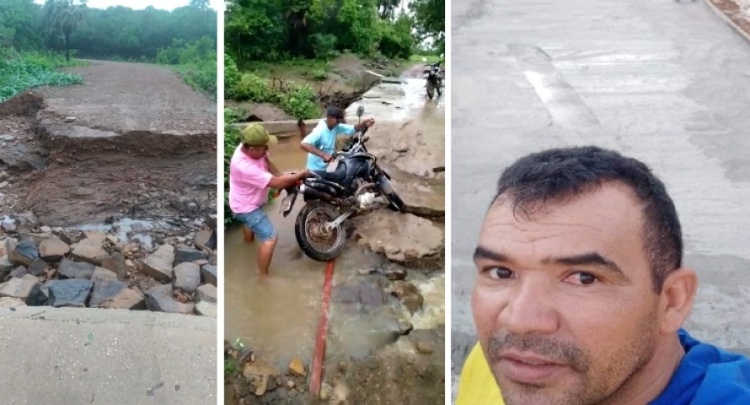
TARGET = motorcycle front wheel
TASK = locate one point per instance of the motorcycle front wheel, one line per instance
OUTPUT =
(430, 90)
(319, 243)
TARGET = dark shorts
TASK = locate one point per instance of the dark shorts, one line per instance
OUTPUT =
(259, 223)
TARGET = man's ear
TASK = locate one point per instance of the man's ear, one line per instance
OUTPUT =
(676, 299)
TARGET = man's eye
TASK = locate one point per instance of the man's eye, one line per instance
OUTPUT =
(581, 278)
(500, 273)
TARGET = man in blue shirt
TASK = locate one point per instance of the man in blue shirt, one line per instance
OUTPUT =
(321, 142)
(581, 293)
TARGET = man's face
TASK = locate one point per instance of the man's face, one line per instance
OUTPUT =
(256, 152)
(333, 122)
(563, 302)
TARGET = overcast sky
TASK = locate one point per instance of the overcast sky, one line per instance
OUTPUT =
(141, 4)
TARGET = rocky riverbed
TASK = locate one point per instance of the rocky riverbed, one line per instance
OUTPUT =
(169, 268)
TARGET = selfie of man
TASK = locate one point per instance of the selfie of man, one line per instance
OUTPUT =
(581, 293)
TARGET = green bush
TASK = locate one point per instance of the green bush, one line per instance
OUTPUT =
(19, 72)
(323, 45)
(299, 102)
(232, 75)
(320, 75)
(252, 88)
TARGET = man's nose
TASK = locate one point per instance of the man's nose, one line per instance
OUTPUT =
(530, 309)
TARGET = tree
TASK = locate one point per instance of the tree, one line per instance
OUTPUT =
(63, 17)
(429, 19)
(387, 8)
(19, 24)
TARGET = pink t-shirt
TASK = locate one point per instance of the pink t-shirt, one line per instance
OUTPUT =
(248, 182)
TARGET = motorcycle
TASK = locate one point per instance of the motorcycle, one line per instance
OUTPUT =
(433, 75)
(350, 185)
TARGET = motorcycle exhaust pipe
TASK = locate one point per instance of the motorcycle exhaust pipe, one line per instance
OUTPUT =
(313, 193)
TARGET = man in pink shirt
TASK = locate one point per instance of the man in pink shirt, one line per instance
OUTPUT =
(251, 174)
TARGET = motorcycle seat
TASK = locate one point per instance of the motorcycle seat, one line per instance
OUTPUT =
(336, 176)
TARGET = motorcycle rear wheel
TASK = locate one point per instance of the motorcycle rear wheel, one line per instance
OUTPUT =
(317, 243)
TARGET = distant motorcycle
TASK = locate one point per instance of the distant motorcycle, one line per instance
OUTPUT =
(352, 184)
(433, 76)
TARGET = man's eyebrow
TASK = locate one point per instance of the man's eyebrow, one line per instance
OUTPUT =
(592, 258)
(584, 259)
(486, 254)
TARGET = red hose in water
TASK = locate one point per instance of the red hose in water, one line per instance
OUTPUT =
(320, 340)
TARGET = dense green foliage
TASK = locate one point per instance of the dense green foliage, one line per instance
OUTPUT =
(429, 21)
(19, 72)
(184, 38)
(276, 30)
(298, 101)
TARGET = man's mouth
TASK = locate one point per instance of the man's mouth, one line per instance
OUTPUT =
(529, 368)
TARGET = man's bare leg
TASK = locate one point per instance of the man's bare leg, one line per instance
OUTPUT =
(265, 254)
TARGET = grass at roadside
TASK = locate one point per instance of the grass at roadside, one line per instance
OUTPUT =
(26, 70)
(194, 61)
(199, 75)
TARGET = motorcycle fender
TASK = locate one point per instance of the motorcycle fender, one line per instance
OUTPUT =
(293, 196)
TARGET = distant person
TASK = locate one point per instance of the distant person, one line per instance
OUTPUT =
(321, 142)
(581, 293)
(251, 174)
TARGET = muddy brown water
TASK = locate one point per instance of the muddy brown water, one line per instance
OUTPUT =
(277, 316)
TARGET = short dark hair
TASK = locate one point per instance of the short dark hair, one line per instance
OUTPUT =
(560, 173)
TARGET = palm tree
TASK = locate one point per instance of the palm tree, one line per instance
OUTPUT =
(63, 17)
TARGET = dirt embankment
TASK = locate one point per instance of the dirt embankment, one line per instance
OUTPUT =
(69, 180)
(132, 140)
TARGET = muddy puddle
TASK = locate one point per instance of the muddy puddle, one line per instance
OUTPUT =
(400, 101)
(286, 305)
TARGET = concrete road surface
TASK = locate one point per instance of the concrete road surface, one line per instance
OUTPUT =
(662, 81)
(107, 356)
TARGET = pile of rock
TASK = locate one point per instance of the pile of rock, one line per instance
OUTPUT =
(72, 268)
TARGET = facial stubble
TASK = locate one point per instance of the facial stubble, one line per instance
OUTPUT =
(598, 378)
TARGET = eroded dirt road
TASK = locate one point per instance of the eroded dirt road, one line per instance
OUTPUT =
(132, 140)
(107, 196)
